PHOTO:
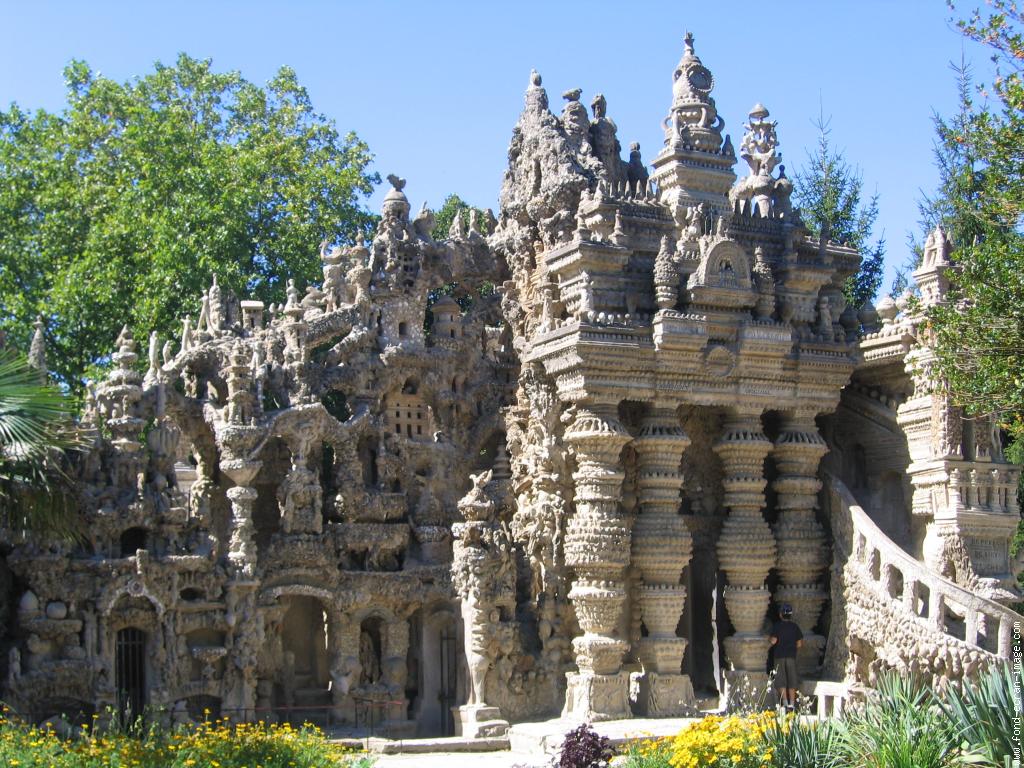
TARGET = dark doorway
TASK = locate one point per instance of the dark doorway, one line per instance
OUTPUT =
(449, 647)
(130, 672)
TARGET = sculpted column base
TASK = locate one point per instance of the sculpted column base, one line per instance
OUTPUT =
(747, 652)
(592, 698)
(746, 691)
(478, 721)
(657, 694)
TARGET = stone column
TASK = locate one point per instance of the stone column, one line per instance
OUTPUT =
(242, 547)
(243, 617)
(662, 547)
(746, 552)
(802, 555)
(597, 549)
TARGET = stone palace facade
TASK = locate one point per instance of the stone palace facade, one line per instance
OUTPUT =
(570, 466)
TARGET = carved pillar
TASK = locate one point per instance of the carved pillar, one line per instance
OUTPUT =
(394, 667)
(246, 622)
(242, 547)
(597, 549)
(746, 552)
(802, 556)
(662, 547)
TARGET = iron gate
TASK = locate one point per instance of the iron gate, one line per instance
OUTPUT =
(130, 672)
(449, 676)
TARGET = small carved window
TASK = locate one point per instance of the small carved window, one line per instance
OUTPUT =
(410, 416)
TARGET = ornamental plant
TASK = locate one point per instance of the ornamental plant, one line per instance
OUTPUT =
(721, 742)
(790, 743)
(217, 744)
(583, 747)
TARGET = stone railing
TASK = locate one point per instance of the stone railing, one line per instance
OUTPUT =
(910, 617)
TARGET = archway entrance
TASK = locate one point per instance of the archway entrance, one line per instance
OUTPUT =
(130, 672)
(440, 651)
(304, 677)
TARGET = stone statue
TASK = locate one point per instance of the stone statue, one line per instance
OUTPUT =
(369, 660)
(483, 573)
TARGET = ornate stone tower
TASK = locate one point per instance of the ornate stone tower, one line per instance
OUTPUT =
(695, 165)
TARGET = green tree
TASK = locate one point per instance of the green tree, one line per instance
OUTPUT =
(979, 333)
(453, 204)
(122, 207)
(830, 195)
(35, 432)
(959, 170)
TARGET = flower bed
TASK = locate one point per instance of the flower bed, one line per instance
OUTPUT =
(902, 724)
(218, 744)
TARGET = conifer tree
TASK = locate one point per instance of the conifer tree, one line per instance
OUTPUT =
(829, 192)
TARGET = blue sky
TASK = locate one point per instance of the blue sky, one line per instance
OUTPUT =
(435, 87)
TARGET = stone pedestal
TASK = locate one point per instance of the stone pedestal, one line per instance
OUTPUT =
(746, 548)
(597, 549)
(478, 721)
(662, 695)
(592, 698)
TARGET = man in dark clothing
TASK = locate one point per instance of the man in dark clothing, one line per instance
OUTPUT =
(786, 638)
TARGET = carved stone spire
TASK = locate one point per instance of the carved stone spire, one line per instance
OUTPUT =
(693, 120)
(536, 96)
(696, 163)
(936, 260)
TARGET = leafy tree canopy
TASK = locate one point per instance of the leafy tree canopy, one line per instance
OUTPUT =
(454, 205)
(121, 208)
(830, 194)
(979, 335)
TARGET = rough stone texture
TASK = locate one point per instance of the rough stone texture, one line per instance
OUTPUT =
(395, 508)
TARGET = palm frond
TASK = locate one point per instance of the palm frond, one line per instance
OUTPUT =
(36, 431)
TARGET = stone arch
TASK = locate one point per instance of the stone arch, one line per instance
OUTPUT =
(302, 674)
(725, 265)
(133, 589)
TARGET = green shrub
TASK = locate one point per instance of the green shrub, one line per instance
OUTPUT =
(790, 743)
(901, 725)
(981, 716)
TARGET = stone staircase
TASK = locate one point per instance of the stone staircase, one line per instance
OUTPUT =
(899, 613)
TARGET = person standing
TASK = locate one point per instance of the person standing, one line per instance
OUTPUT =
(786, 638)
